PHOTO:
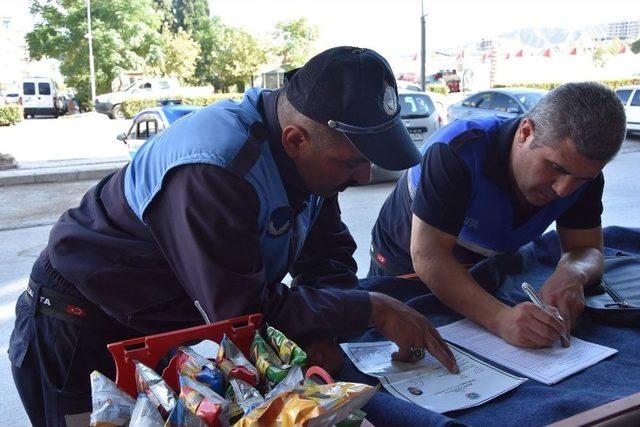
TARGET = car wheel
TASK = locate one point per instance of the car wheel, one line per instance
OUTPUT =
(117, 113)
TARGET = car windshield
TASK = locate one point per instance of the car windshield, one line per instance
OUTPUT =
(130, 87)
(415, 105)
(529, 99)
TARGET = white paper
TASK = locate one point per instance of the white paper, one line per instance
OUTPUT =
(427, 383)
(547, 365)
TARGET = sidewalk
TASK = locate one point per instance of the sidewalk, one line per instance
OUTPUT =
(61, 170)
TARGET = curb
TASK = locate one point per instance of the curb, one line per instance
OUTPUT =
(65, 173)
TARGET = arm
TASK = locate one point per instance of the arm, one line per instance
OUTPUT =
(523, 325)
(326, 259)
(582, 262)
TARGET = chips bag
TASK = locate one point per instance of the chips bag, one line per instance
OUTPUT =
(181, 416)
(152, 384)
(287, 350)
(205, 403)
(244, 395)
(111, 406)
(269, 366)
(293, 379)
(310, 405)
(234, 364)
(194, 366)
(145, 414)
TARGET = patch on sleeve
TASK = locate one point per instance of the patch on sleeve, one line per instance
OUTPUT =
(280, 221)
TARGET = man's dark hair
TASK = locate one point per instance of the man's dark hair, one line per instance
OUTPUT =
(588, 113)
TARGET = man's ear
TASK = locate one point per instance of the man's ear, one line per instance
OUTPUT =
(293, 140)
(525, 131)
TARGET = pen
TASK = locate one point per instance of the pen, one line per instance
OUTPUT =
(535, 298)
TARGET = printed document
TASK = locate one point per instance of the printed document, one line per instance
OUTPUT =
(547, 365)
(427, 383)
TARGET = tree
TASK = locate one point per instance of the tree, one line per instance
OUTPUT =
(230, 56)
(123, 34)
(165, 10)
(635, 46)
(190, 15)
(294, 40)
(175, 55)
(604, 52)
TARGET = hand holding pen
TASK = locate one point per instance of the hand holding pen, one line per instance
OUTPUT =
(553, 311)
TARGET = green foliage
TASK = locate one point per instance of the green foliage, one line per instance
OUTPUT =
(175, 56)
(10, 114)
(190, 15)
(294, 40)
(123, 35)
(132, 106)
(230, 56)
(604, 52)
(613, 84)
(438, 88)
(635, 46)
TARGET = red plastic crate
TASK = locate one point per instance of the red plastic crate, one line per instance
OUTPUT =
(150, 349)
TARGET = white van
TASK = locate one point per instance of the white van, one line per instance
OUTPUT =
(630, 98)
(39, 97)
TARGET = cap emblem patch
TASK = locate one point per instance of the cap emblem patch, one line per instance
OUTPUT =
(390, 101)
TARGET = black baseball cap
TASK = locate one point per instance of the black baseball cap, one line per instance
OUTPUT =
(353, 91)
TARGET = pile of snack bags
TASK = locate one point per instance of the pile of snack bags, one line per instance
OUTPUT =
(268, 390)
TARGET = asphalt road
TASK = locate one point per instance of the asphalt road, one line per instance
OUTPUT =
(28, 212)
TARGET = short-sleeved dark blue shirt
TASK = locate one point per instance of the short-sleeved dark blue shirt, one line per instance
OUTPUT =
(443, 195)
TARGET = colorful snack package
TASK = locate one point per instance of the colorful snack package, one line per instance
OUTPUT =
(145, 414)
(152, 384)
(234, 364)
(111, 406)
(244, 395)
(310, 405)
(205, 403)
(181, 416)
(293, 379)
(269, 366)
(194, 366)
(287, 350)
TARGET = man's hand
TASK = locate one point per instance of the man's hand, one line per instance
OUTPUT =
(408, 328)
(325, 353)
(566, 294)
(527, 325)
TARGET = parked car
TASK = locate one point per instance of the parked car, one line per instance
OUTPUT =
(151, 121)
(12, 97)
(39, 97)
(509, 102)
(420, 115)
(630, 98)
(109, 103)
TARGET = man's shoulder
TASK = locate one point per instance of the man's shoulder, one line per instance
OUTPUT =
(459, 133)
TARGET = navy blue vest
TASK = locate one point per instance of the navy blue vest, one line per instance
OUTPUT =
(488, 222)
(218, 135)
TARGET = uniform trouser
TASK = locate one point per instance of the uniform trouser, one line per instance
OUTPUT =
(52, 359)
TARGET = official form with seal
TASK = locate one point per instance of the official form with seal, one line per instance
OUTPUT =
(427, 383)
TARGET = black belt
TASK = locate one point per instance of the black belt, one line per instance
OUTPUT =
(68, 308)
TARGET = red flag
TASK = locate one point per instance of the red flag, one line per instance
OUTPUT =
(519, 54)
(623, 49)
(574, 51)
(547, 53)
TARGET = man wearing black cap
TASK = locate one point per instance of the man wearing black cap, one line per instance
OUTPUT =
(217, 209)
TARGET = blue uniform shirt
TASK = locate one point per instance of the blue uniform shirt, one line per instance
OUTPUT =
(461, 187)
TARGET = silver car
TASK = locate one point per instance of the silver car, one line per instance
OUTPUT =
(508, 102)
(421, 118)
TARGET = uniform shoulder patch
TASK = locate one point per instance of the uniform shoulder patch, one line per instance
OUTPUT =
(280, 221)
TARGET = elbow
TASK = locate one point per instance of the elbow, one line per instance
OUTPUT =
(426, 267)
